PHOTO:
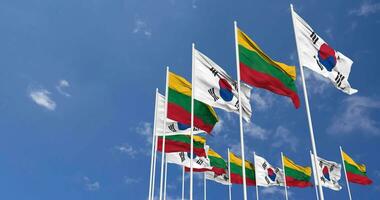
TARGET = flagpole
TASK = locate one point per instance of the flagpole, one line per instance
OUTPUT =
(345, 173)
(257, 187)
(315, 179)
(240, 112)
(229, 175)
(314, 148)
(164, 136)
(204, 186)
(283, 169)
(153, 145)
(183, 183)
(154, 166)
(192, 122)
(166, 177)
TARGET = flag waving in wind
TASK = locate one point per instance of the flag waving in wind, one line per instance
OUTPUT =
(329, 173)
(315, 54)
(266, 174)
(216, 88)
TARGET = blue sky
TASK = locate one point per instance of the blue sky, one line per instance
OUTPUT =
(78, 78)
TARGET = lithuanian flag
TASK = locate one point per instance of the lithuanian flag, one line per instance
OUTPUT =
(296, 175)
(356, 173)
(179, 105)
(237, 171)
(259, 70)
(181, 143)
(218, 164)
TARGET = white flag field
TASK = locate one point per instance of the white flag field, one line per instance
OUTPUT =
(329, 173)
(172, 127)
(217, 89)
(222, 179)
(315, 54)
(266, 174)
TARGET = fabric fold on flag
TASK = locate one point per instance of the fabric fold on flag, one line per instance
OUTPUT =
(217, 89)
(181, 143)
(356, 173)
(259, 70)
(266, 174)
(236, 171)
(329, 173)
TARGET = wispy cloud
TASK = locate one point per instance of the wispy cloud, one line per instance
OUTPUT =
(366, 8)
(255, 131)
(194, 4)
(329, 33)
(41, 97)
(141, 27)
(130, 180)
(316, 84)
(262, 100)
(91, 185)
(274, 191)
(127, 149)
(355, 115)
(62, 84)
(283, 137)
(145, 129)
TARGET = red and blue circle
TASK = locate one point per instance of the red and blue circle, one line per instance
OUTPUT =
(271, 174)
(182, 127)
(326, 56)
(225, 90)
(326, 173)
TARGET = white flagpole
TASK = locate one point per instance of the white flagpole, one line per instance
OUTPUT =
(240, 112)
(204, 186)
(154, 166)
(283, 169)
(345, 173)
(314, 176)
(192, 122)
(164, 136)
(166, 177)
(229, 176)
(183, 183)
(307, 108)
(257, 187)
(151, 185)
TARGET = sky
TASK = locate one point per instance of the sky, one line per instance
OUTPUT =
(78, 78)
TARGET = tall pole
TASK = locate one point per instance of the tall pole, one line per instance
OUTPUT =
(183, 183)
(314, 148)
(192, 122)
(345, 173)
(257, 187)
(164, 136)
(240, 113)
(314, 176)
(229, 176)
(154, 166)
(166, 178)
(152, 159)
(283, 169)
(204, 186)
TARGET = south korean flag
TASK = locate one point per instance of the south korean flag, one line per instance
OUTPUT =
(266, 174)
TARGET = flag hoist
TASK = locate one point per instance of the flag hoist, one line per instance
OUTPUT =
(314, 148)
(153, 158)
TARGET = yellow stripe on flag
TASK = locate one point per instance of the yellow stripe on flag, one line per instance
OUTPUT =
(249, 44)
(290, 164)
(237, 161)
(350, 161)
(213, 153)
(179, 84)
(199, 139)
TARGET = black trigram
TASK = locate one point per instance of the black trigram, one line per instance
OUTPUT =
(314, 37)
(339, 79)
(264, 165)
(182, 156)
(214, 71)
(267, 180)
(211, 91)
(237, 105)
(172, 128)
(199, 162)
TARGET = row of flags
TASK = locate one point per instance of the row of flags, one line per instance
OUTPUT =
(184, 110)
(261, 172)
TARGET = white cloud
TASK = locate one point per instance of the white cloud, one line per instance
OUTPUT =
(283, 136)
(355, 115)
(218, 127)
(145, 129)
(62, 84)
(91, 185)
(130, 180)
(262, 100)
(142, 28)
(316, 84)
(366, 8)
(127, 149)
(256, 131)
(41, 97)
(194, 4)
(329, 33)
(274, 191)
